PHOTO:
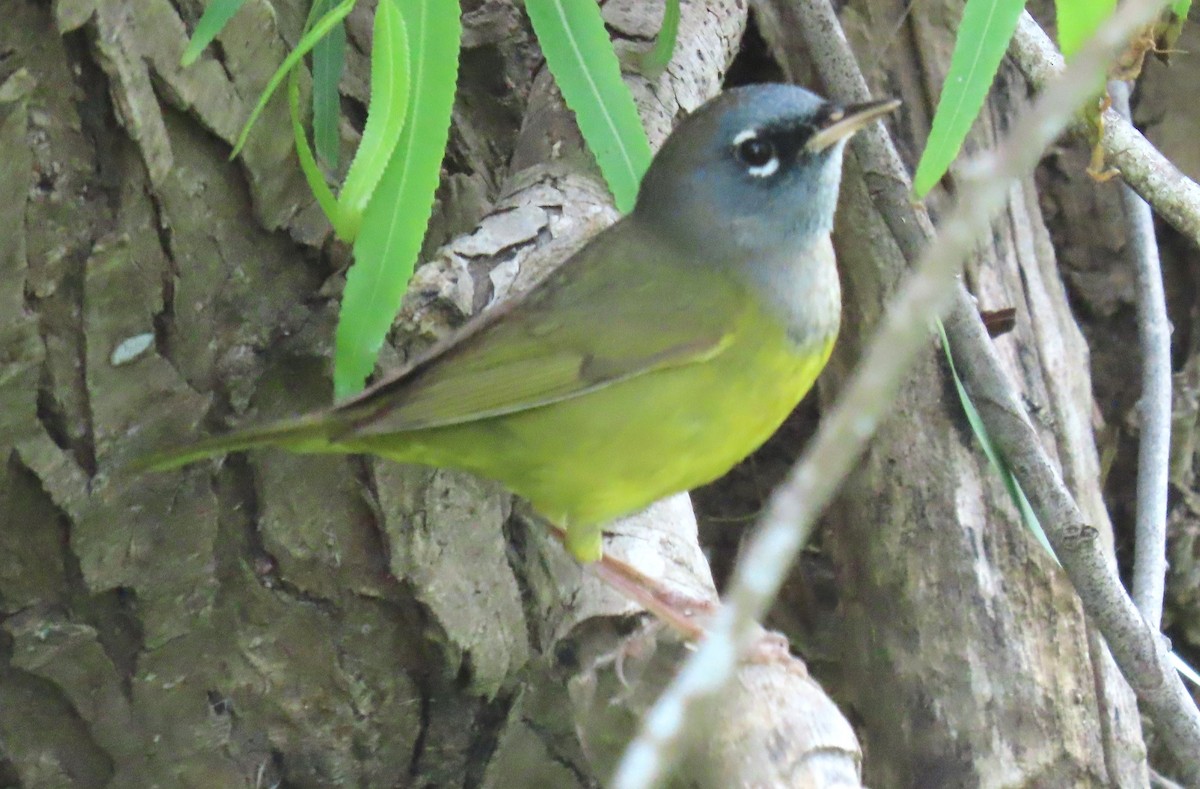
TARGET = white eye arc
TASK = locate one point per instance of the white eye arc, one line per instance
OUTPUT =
(766, 170)
(756, 153)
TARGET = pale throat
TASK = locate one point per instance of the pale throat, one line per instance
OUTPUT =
(801, 287)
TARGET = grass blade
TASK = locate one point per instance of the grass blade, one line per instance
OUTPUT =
(581, 57)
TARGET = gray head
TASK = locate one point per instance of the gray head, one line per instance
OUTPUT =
(757, 167)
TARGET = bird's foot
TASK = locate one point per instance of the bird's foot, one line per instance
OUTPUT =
(685, 614)
(682, 612)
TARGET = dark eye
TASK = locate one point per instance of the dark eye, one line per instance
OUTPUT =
(757, 153)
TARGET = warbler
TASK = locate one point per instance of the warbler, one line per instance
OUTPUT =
(651, 361)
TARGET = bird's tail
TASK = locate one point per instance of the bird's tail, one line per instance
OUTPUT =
(306, 434)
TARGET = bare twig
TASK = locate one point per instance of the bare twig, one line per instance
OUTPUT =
(1158, 781)
(795, 505)
(1172, 195)
(1154, 407)
(1137, 648)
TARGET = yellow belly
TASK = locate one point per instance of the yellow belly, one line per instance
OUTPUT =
(589, 459)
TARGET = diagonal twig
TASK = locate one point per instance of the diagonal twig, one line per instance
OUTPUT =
(1139, 652)
(795, 505)
(1172, 195)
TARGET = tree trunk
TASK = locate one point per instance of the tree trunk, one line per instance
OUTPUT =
(309, 622)
(273, 619)
(942, 626)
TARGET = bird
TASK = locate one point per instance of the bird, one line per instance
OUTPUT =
(651, 361)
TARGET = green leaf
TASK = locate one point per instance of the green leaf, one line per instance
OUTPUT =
(328, 58)
(307, 42)
(216, 15)
(1170, 25)
(308, 164)
(385, 113)
(581, 57)
(1078, 20)
(994, 456)
(983, 36)
(655, 61)
(393, 224)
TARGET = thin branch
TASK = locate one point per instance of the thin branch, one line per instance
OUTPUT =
(795, 505)
(1154, 407)
(1172, 195)
(1137, 648)
(1158, 781)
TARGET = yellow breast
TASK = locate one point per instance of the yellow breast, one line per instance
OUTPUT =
(589, 459)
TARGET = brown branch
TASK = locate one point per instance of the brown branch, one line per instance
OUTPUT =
(1172, 195)
(843, 433)
(1138, 649)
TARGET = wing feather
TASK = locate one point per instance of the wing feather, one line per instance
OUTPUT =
(618, 308)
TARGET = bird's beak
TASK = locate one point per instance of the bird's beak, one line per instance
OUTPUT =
(844, 121)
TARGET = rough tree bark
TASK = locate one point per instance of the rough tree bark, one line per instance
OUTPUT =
(322, 621)
(273, 619)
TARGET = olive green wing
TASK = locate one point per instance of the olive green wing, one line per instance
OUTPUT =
(620, 307)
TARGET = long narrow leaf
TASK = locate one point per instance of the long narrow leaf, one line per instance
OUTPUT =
(216, 15)
(581, 57)
(987, 26)
(1028, 517)
(385, 113)
(1015, 492)
(308, 164)
(655, 61)
(328, 59)
(394, 222)
(1077, 20)
(306, 43)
